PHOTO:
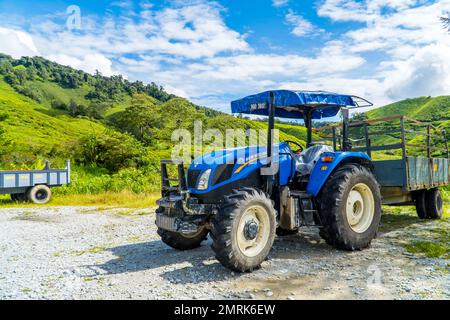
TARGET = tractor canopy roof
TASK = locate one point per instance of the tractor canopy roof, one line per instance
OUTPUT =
(293, 104)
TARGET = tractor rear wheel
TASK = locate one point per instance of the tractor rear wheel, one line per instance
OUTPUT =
(183, 242)
(243, 231)
(350, 208)
(433, 204)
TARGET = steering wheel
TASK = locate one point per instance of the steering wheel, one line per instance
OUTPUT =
(300, 148)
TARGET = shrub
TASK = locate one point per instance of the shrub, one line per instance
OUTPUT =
(112, 151)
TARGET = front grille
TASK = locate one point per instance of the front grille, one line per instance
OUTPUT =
(192, 177)
(166, 223)
(222, 173)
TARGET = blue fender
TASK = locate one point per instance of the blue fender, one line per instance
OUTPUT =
(323, 170)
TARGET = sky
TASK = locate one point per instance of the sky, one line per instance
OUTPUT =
(213, 52)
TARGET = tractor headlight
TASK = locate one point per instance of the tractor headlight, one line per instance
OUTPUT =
(203, 181)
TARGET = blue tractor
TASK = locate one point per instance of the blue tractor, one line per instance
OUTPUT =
(244, 197)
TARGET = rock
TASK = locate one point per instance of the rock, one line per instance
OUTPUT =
(269, 294)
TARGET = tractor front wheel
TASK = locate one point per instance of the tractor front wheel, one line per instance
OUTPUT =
(350, 208)
(180, 241)
(243, 231)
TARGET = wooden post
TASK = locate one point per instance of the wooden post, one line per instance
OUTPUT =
(444, 134)
(402, 126)
(428, 141)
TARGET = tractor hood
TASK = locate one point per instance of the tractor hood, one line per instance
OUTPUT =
(229, 165)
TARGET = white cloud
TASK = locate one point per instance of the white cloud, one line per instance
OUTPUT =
(17, 43)
(300, 26)
(410, 37)
(188, 48)
(426, 73)
(279, 3)
(89, 63)
(187, 31)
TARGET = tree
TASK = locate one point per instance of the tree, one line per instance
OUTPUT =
(139, 119)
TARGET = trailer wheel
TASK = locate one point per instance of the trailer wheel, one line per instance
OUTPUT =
(420, 205)
(243, 231)
(350, 208)
(180, 241)
(433, 204)
(39, 194)
(18, 197)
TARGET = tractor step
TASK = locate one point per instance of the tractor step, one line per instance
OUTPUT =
(306, 210)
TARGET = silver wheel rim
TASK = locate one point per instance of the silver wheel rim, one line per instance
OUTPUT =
(258, 215)
(360, 208)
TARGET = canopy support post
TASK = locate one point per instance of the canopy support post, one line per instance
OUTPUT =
(345, 120)
(308, 124)
(270, 177)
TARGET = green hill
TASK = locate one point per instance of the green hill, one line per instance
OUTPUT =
(430, 110)
(33, 130)
(423, 108)
(114, 131)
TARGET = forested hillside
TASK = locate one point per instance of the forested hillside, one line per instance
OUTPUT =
(114, 131)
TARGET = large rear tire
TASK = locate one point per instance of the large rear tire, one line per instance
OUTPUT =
(350, 208)
(243, 231)
(434, 204)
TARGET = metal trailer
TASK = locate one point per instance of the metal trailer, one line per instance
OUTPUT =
(33, 185)
(418, 167)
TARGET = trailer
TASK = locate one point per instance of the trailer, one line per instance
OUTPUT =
(418, 170)
(33, 185)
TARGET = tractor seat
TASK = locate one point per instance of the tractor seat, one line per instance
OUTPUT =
(306, 161)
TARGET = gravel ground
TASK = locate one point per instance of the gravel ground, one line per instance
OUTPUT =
(84, 253)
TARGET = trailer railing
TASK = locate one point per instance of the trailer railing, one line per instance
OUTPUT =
(388, 134)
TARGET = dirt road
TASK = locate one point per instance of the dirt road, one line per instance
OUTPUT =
(86, 253)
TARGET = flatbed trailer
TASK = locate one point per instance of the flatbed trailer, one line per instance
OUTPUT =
(33, 185)
(419, 167)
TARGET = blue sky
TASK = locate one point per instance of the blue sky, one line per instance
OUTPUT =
(215, 51)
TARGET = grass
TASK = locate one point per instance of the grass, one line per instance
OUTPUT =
(91, 250)
(425, 108)
(395, 218)
(429, 248)
(435, 244)
(123, 199)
